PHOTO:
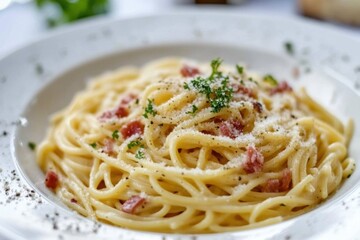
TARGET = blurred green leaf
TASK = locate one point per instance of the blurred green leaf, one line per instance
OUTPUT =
(72, 10)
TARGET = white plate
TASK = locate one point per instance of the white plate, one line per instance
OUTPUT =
(41, 78)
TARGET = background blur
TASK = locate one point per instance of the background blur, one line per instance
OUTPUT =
(22, 21)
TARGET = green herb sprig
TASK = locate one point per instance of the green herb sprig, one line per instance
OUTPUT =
(289, 47)
(240, 69)
(140, 153)
(270, 79)
(134, 143)
(193, 110)
(149, 109)
(32, 146)
(115, 134)
(219, 95)
(93, 145)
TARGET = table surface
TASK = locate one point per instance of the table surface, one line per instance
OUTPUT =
(22, 23)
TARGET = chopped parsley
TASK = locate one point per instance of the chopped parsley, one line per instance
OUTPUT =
(137, 101)
(134, 143)
(140, 154)
(93, 145)
(115, 134)
(289, 47)
(32, 146)
(186, 86)
(270, 79)
(216, 87)
(193, 111)
(149, 109)
(215, 64)
(252, 80)
(240, 69)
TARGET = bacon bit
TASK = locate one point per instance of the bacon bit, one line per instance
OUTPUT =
(187, 71)
(254, 161)
(106, 115)
(258, 107)
(132, 204)
(121, 112)
(73, 200)
(286, 180)
(231, 128)
(272, 185)
(218, 120)
(282, 87)
(279, 185)
(109, 146)
(51, 179)
(127, 99)
(240, 89)
(134, 127)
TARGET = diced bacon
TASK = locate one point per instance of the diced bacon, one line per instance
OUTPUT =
(127, 99)
(286, 180)
(106, 115)
(132, 204)
(279, 185)
(231, 128)
(73, 200)
(258, 107)
(218, 120)
(51, 179)
(281, 88)
(272, 185)
(254, 160)
(121, 112)
(133, 127)
(187, 71)
(240, 89)
(108, 146)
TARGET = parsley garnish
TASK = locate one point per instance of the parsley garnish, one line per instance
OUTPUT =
(149, 109)
(134, 143)
(252, 80)
(289, 47)
(271, 80)
(194, 109)
(186, 86)
(223, 96)
(32, 146)
(137, 101)
(239, 69)
(115, 134)
(140, 154)
(93, 145)
(215, 64)
(218, 96)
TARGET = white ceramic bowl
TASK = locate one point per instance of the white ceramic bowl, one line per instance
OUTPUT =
(42, 78)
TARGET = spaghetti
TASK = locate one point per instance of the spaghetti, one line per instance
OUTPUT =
(178, 146)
